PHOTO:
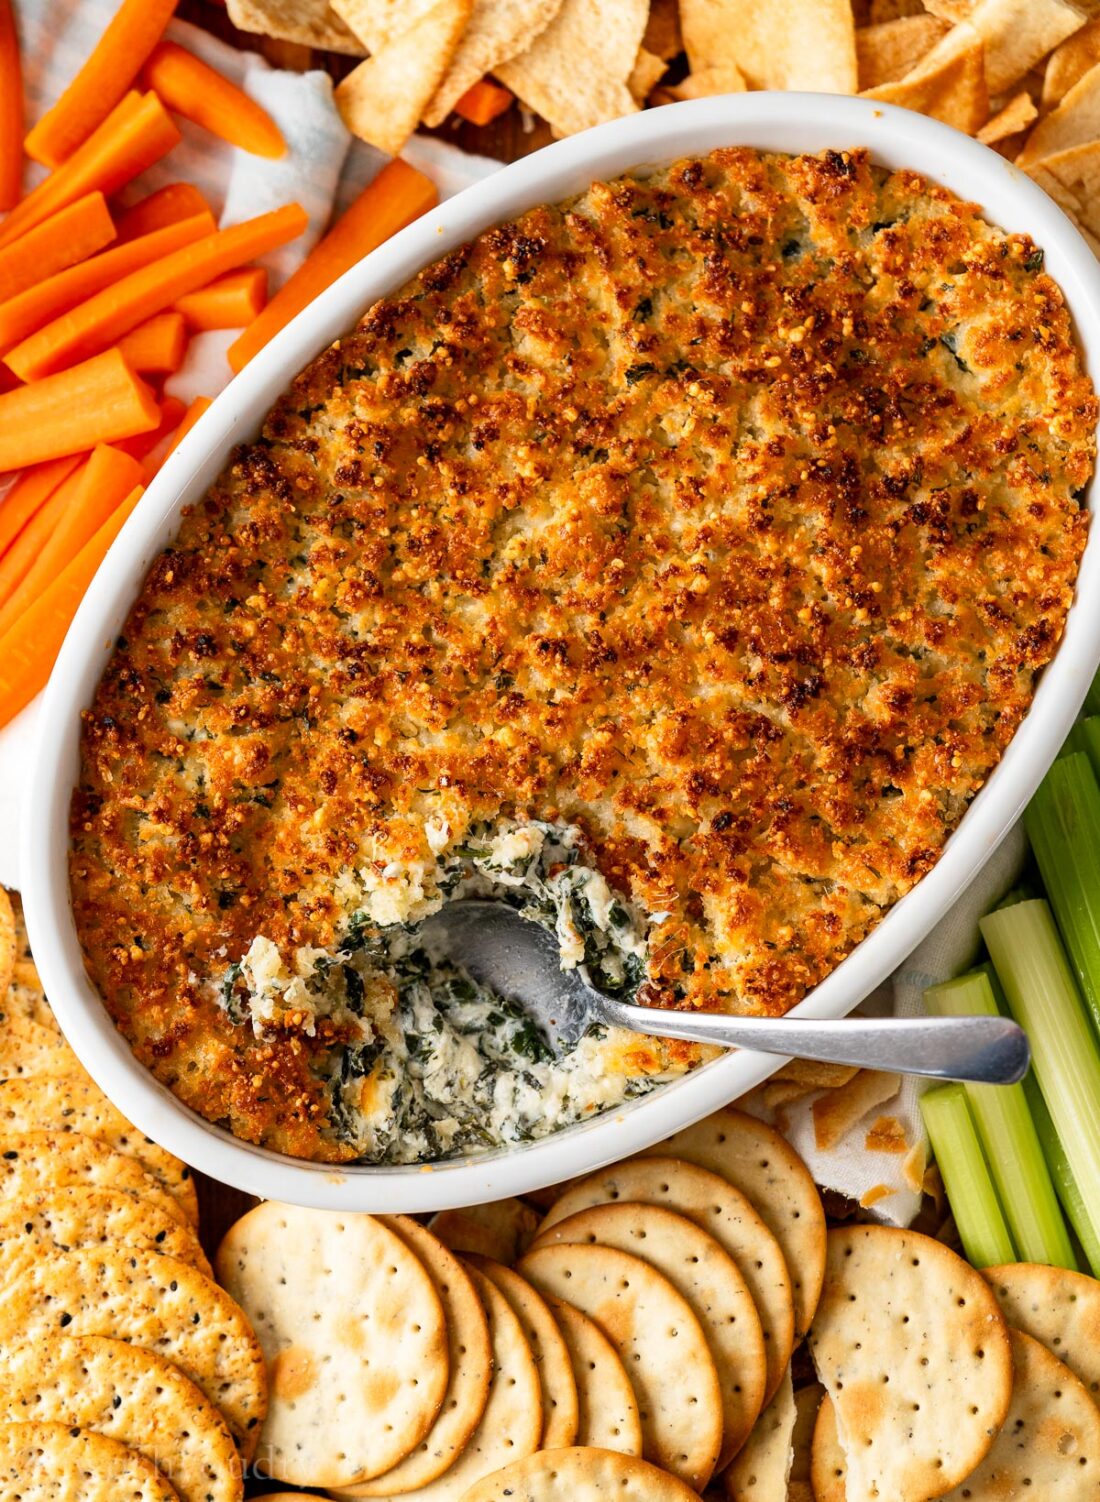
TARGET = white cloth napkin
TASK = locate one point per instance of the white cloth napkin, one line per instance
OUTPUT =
(323, 170)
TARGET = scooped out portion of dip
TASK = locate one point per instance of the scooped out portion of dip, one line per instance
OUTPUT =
(676, 561)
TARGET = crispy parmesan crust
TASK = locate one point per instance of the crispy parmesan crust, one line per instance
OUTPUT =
(727, 512)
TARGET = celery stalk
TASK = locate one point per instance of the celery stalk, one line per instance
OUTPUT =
(973, 1199)
(1068, 1192)
(1063, 825)
(1009, 1139)
(1091, 705)
(1038, 983)
(1087, 735)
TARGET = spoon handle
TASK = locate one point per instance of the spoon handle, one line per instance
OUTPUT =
(983, 1050)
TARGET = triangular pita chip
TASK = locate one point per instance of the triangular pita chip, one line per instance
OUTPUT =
(312, 23)
(1017, 115)
(954, 91)
(1075, 122)
(780, 44)
(1069, 62)
(708, 82)
(1016, 34)
(662, 30)
(647, 72)
(1077, 173)
(575, 74)
(383, 99)
(887, 52)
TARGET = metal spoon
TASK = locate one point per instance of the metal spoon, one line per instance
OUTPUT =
(520, 959)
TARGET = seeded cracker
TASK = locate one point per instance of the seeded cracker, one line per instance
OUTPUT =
(353, 1335)
(28, 1048)
(26, 997)
(88, 1217)
(695, 1264)
(654, 1331)
(559, 1387)
(62, 1104)
(31, 1162)
(50, 1463)
(1059, 1308)
(716, 1207)
(607, 1407)
(151, 1301)
(130, 1395)
(580, 1475)
(512, 1420)
(470, 1358)
(900, 1306)
(760, 1163)
(7, 941)
(759, 1472)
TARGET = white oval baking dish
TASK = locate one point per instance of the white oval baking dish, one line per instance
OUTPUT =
(783, 122)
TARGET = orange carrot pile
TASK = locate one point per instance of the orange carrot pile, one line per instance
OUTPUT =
(95, 402)
(397, 196)
(483, 102)
(134, 31)
(28, 649)
(96, 294)
(137, 133)
(74, 233)
(156, 347)
(104, 318)
(229, 303)
(168, 205)
(11, 111)
(201, 95)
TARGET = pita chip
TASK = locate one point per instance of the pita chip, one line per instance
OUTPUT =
(646, 74)
(1017, 115)
(890, 51)
(1016, 34)
(383, 99)
(1075, 122)
(952, 90)
(706, 84)
(662, 30)
(311, 23)
(1070, 62)
(776, 44)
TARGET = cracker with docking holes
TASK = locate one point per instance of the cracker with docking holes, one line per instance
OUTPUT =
(755, 1159)
(32, 1162)
(914, 1352)
(655, 1332)
(53, 1463)
(695, 1264)
(712, 1203)
(353, 1334)
(84, 1217)
(1057, 1307)
(607, 1410)
(581, 1475)
(761, 1467)
(559, 1386)
(471, 1363)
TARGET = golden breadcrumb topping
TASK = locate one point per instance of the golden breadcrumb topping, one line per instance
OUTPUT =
(725, 512)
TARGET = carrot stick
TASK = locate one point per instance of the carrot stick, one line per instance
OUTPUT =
(157, 346)
(137, 133)
(172, 413)
(483, 101)
(229, 303)
(29, 649)
(88, 499)
(200, 94)
(104, 318)
(200, 405)
(168, 205)
(21, 315)
(134, 31)
(29, 494)
(11, 111)
(398, 195)
(95, 402)
(72, 235)
(18, 561)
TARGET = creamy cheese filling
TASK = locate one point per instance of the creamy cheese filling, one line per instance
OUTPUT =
(440, 1065)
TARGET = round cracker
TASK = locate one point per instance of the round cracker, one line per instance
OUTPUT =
(131, 1395)
(1049, 1444)
(63, 1104)
(151, 1301)
(470, 1355)
(354, 1336)
(759, 1471)
(90, 1217)
(52, 1463)
(559, 1386)
(581, 1474)
(26, 998)
(828, 1472)
(913, 1350)
(28, 1048)
(755, 1159)
(502, 1230)
(512, 1421)
(607, 1410)
(33, 1162)
(696, 1265)
(1061, 1309)
(807, 1401)
(713, 1204)
(655, 1333)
